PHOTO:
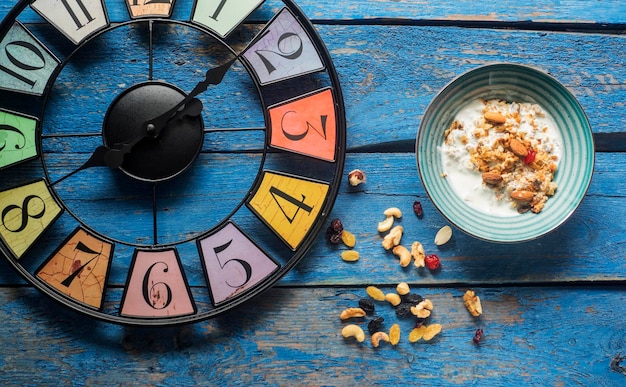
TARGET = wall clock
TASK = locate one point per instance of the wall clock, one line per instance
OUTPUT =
(163, 161)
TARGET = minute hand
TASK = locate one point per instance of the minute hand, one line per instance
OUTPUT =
(214, 76)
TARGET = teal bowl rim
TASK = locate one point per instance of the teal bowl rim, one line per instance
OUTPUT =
(514, 82)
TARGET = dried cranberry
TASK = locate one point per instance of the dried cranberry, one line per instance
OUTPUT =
(432, 262)
(417, 208)
(367, 305)
(375, 324)
(478, 336)
(333, 232)
(530, 156)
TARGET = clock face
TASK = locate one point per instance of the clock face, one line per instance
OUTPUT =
(163, 161)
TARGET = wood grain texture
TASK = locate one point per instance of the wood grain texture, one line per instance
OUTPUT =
(553, 307)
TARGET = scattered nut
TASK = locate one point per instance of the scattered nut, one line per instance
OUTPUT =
(472, 303)
(492, 178)
(378, 337)
(350, 255)
(393, 238)
(417, 333)
(393, 211)
(428, 304)
(418, 254)
(518, 148)
(522, 196)
(420, 311)
(386, 224)
(443, 235)
(348, 238)
(351, 313)
(355, 331)
(356, 177)
(403, 288)
(431, 331)
(375, 293)
(404, 254)
(495, 117)
(394, 334)
(393, 298)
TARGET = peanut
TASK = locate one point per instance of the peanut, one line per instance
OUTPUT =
(355, 331)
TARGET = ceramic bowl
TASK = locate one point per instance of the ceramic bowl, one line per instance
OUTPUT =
(513, 83)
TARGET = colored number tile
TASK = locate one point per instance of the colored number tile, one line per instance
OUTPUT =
(233, 263)
(26, 212)
(306, 125)
(150, 8)
(17, 138)
(156, 286)
(283, 50)
(223, 16)
(79, 268)
(76, 19)
(289, 205)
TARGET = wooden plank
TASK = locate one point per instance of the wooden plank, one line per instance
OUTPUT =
(601, 12)
(588, 247)
(532, 336)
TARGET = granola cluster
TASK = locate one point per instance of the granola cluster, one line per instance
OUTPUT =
(511, 146)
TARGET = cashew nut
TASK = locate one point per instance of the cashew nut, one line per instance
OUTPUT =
(352, 330)
(351, 312)
(404, 254)
(386, 224)
(418, 254)
(393, 298)
(393, 211)
(377, 337)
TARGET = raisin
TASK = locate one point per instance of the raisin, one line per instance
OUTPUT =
(367, 305)
(404, 309)
(417, 208)
(412, 299)
(375, 325)
(432, 262)
(333, 232)
(478, 336)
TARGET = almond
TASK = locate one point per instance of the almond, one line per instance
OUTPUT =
(495, 117)
(492, 178)
(518, 148)
(522, 196)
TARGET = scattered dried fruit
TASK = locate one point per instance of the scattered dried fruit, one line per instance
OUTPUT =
(334, 231)
(348, 238)
(378, 337)
(350, 255)
(431, 331)
(367, 305)
(393, 299)
(418, 254)
(394, 334)
(478, 336)
(404, 254)
(356, 177)
(432, 262)
(530, 157)
(375, 325)
(472, 303)
(375, 293)
(443, 235)
(352, 330)
(351, 313)
(417, 208)
(403, 288)
(417, 333)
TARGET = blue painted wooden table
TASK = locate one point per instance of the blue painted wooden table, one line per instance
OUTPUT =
(553, 308)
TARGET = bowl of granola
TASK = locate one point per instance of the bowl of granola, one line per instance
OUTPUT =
(505, 152)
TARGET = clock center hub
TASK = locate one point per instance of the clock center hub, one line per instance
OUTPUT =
(153, 158)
